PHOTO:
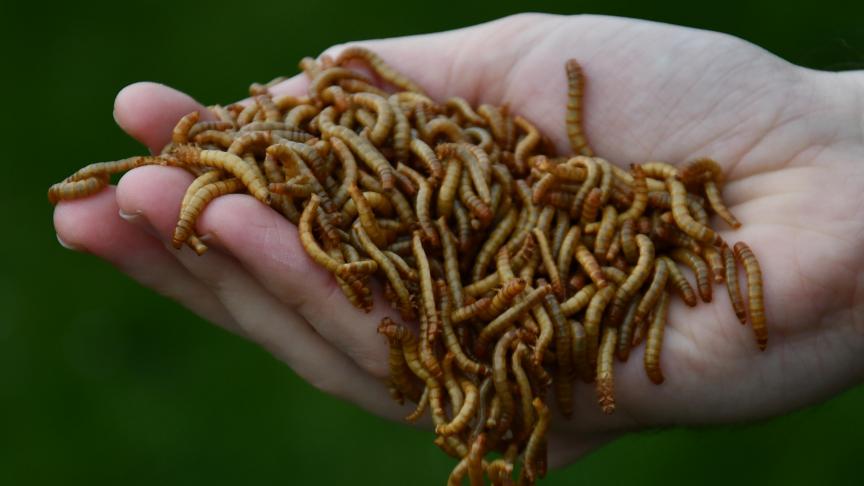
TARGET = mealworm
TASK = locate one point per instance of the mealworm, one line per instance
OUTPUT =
(505, 320)
(579, 300)
(635, 280)
(399, 371)
(592, 174)
(76, 189)
(683, 218)
(549, 262)
(563, 385)
(219, 139)
(204, 126)
(606, 232)
(365, 150)
(423, 204)
(658, 284)
(712, 192)
(735, 297)
(500, 381)
(755, 305)
(566, 252)
(528, 143)
(104, 169)
(381, 68)
(627, 329)
(300, 114)
(654, 339)
(589, 264)
(593, 315)
(590, 207)
(679, 282)
(494, 120)
(573, 120)
(196, 203)
(388, 268)
(385, 119)
(523, 384)
(250, 175)
(605, 375)
(444, 128)
(180, 134)
(538, 434)
(699, 268)
(715, 263)
(451, 341)
(502, 299)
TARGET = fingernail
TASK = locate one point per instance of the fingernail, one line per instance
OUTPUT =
(133, 217)
(68, 246)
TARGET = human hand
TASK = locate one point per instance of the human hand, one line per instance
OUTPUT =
(790, 141)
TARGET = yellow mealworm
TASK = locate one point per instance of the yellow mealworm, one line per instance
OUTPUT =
(605, 375)
(502, 299)
(180, 134)
(427, 294)
(712, 192)
(652, 294)
(735, 297)
(494, 120)
(349, 170)
(428, 159)
(683, 218)
(451, 341)
(444, 128)
(567, 250)
(307, 238)
(401, 129)
(329, 77)
(451, 263)
(592, 174)
(528, 143)
(454, 390)
(606, 232)
(381, 68)
(755, 303)
(206, 188)
(470, 160)
(505, 320)
(679, 282)
(590, 207)
(367, 217)
(250, 175)
(579, 349)
(715, 262)
(463, 109)
(589, 264)
(388, 268)
(423, 205)
(385, 118)
(76, 189)
(573, 120)
(203, 126)
(376, 201)
(592, 320)
(104, 169)
(469, 311)
(659, 170)
(536, 440)
(549, 262)
(472, 202)
(365, 150)
(542, 187)
(614, 248)
(628, 241)
(465, 412)
(635, 280)
(500, 380)
(654, 339)
(627, 329)
(640, 195)
(300, 114)
(360, 86)
(699, 268)
(562, 384)
(399, 371)
(579, 300)
(524, 385)
(222, 140)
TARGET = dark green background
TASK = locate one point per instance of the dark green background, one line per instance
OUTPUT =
(104, 382)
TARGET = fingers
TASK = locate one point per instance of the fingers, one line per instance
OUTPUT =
(148, 112)
(94, 225)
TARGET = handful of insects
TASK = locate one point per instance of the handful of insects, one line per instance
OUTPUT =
(526, 270)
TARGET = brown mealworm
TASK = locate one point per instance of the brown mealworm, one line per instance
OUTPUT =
(195, 205)
(605, 375)
(573, 120)
(683, 218)
(627, 329)
(76, 189)
(755, 302)
(606, 232)
(593, 315)
(589, 264)
(505, 320)
(731, 267)
(381, 68)
(654, 339)
(699, 268)
(180, 134)
(534, 445)
(365, 150)
(549, 262)
(715, 263)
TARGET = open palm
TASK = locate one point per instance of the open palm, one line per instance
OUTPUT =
(790, 141)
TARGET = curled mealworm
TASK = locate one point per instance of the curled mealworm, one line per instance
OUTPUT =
(699, 268)
(505, 320)
(654, 339)
(573, 120)
(385, 118)
(579, 300)
(423, 205)
(683, 218)
(502, 299)
(532, 449)
(365, 150)
(679, 282)
(735, 297)
(381, 68)
(755, 303)
(195, 205)
(180, 134)
(250, 175)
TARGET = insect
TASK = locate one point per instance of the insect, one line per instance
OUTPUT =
(755, 299)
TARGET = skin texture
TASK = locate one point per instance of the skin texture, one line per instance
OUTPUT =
(782, 134)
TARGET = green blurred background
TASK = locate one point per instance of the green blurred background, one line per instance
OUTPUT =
(104, 382)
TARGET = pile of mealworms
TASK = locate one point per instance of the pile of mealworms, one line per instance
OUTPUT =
(525, 270)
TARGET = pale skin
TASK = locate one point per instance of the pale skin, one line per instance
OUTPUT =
(791, 141)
